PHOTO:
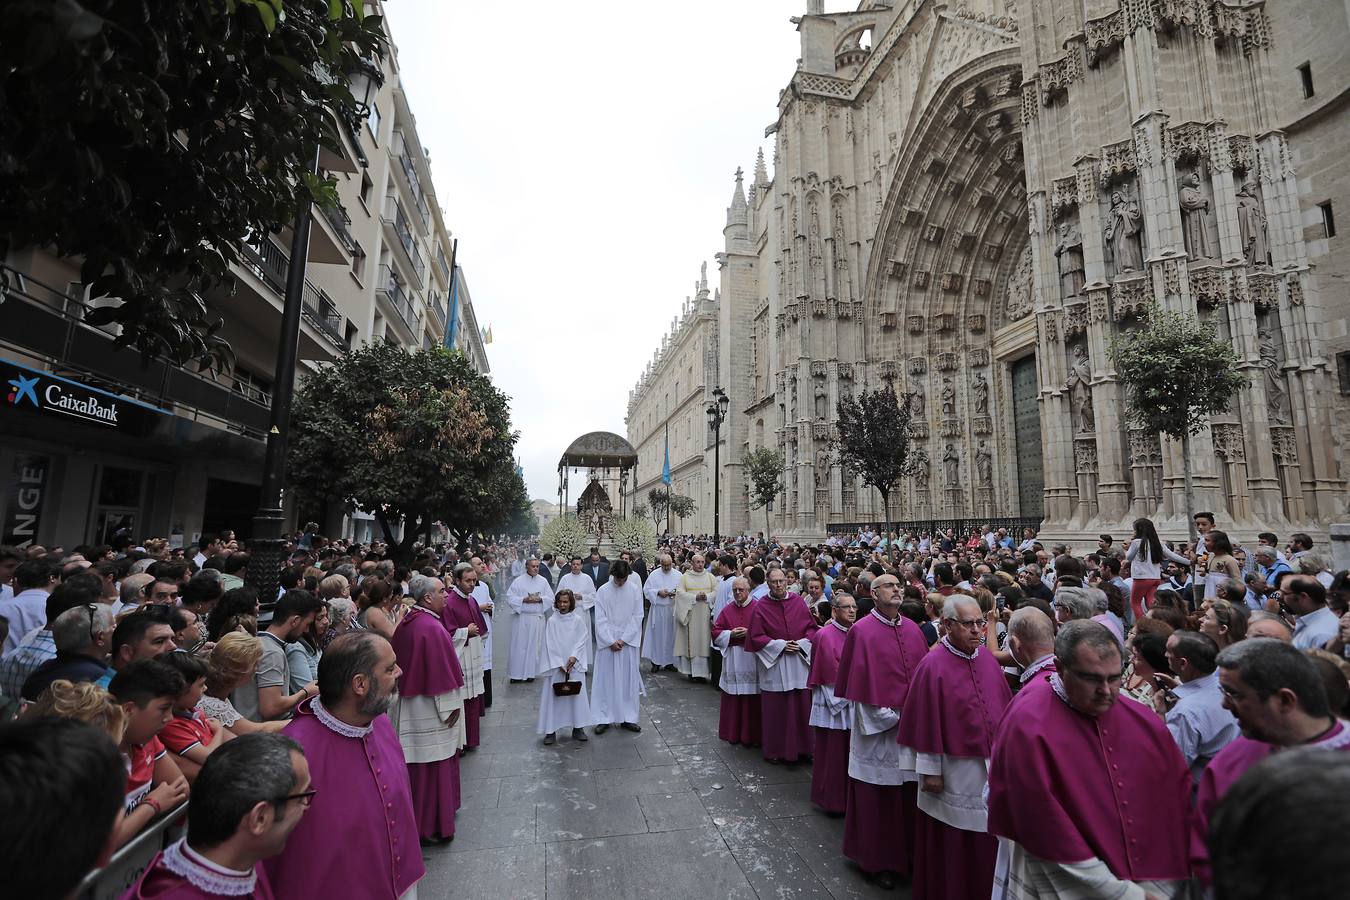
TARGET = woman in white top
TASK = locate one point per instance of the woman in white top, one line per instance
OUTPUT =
(1145, 556)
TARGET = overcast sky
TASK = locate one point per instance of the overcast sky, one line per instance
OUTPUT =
(584, 156)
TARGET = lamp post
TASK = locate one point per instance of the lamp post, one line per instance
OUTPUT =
(717, 414)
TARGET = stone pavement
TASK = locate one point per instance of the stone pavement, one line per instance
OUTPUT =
(671, 813)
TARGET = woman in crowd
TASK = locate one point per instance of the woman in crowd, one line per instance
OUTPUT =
(562, 657)
(236, 610)
(341, 619)
(1225, 622)
(1222, 564)
(232, 662)
(84, 701)
(1145, 556)
(302, 654)
(383, 608)
(1148, 657)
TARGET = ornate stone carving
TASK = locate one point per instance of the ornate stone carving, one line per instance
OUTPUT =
(1171, 270)
(1102, 36)
(921, 469)
(1242, 150)
(951, 468)
(889, 320)
(1118, 163)
(965, 240)
(979, 392)
(1263, 291)
(1228, 442)
(1029, 109)
(944, 322)
(1295, 286)
(914, 324)
(1189, 142)
(991, 251)
(1063, 195)
(984, 465)
(845, 371)
(948, 396)
(1131, 297)
(845, 309)
(933, 234)
(979, 357)
(1050, 325)
(820, 431)
(918, 365)
(1277, 395)
(1055, 77)
(1209, 286)
(981, 288)
(1283, 445)
(946, 361)
(1075, 319)
(820, 307)
(1020, 291)
(1098, 307)
(819, 368)
(921, 279)
(889, 369)
(1145, 448)
(982, 425)
(1123, 232)
(1194, 217)
(1069, 256)
(951, 282)
(977, 322)
(1252, 225)
(1085, 456)
(1079, 386)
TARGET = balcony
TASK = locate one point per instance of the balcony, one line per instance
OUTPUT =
(340, 222)
(400, 236)
(438, 315)
(270, 264)
(396, 295)
(412, 182)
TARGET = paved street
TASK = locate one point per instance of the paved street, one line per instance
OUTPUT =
(672, 812)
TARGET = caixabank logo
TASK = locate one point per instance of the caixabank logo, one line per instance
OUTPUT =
(23, 389)
(58, 396)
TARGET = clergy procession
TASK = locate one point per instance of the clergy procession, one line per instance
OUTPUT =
(964, 718)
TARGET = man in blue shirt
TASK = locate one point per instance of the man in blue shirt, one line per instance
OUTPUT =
(83, 636)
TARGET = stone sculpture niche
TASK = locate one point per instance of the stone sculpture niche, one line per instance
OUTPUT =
(1079, 386)
(979, 388)
(1195, 214)
(948, 399)
(1124, 233)
(1252, 225)
(984, 465)
(1277, 394)
(1069, 257)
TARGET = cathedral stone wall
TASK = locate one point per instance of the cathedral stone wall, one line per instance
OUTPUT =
(969, 202)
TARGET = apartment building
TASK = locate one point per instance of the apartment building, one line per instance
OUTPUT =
(94, 442)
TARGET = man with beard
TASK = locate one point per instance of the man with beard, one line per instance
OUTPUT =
(360, 836)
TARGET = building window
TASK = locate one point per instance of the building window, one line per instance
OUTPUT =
(1328, 219)
(373, 122)
(358, 262)
(1343, 370)
(367, 186)
(1305, 78)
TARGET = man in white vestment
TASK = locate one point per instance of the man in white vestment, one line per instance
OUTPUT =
(530, 598)
(583, 588)
(658, 641)
(483, 594)
(616, 685)
(693, 619)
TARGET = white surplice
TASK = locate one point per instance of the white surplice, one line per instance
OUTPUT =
(527, 624)
(740, 669)
(616, 685)
(583, 589)
(483, 596)
(658, 641)
(565, 637)
(873, 754)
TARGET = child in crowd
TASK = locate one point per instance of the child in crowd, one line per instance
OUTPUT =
(190, 735)
(146, 691)
(562, 655)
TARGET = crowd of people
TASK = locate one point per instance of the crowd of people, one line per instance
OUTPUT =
(991, 716)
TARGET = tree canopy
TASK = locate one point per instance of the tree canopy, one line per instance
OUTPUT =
(764, 476)
(682, 507)
(413, 435)
(874, 438)
(152, 138)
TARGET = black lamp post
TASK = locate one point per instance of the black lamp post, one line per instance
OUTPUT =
(717, 414)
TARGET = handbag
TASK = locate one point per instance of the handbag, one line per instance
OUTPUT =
(567, 688)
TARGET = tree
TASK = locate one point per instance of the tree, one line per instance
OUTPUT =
(764, 472)
(152, 138)
(1176, 372)
(874, 439)
(658, 499)
(639, 510)
(499, 503)
(681, 507)
(407, 435)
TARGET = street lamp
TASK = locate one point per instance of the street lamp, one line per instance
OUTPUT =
(717, 414)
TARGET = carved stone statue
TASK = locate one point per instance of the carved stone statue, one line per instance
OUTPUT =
(1252, 226)
(916, 404)
(948, 399)
(951, 467)
(1194, 216)
(822, 400)
(1124, 222)
(984, 465)
(980, 388)
(1277, 396)
(921, 469)
(1080, 391)
(1069, 253)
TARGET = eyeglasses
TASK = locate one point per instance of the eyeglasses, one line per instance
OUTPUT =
(93, 617)
(969, 623)
(305, 798)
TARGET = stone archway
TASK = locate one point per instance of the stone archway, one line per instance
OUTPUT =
(949, 291)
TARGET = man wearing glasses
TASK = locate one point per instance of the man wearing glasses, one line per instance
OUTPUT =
(248, 798)
(1304, 596)
(1089, 796)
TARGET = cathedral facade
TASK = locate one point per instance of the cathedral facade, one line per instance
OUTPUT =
(970, 201)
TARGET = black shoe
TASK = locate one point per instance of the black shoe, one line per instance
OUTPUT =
(602, 728)
(655, 668)
(529, 681)
(517, 680)
(579, 734)
(550, 738)
(884, 880)
(631, 726)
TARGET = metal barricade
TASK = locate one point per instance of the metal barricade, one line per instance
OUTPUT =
(127, 864)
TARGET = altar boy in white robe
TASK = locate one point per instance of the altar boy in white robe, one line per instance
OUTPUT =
(583, 589)
(563, 659)
(530, 598)
(617, 686)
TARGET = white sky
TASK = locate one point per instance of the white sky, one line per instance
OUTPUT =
(584, 154)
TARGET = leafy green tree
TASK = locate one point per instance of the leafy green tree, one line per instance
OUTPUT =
(500, 503)
(152, 138)
(639, 510)
(1176, 372)
(874, 439)
(682, 507)
(764, 474)
(414, 436)
(658, 499)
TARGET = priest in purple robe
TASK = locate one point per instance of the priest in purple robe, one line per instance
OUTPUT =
(876, 665)
(1277, 695)
(428, 715)
(781, 630)
(1088, 794)
(955, 702)
(247, 799)
(831, 716)
(359, 838)
(739, 715)
(464, 619)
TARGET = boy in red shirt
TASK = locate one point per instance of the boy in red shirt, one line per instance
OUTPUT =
(190, 735)
(146, 691)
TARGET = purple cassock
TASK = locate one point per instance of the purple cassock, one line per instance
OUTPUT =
(739, 720)
(1227, 767)
(179, 873)
(1069, 788)
(829, 766)
(359, 836)
(786, 713)
(954, 706)
(426, 654)
(461, 612)
(875, 668)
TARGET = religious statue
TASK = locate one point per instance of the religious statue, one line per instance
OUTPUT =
(916, 405)
(1124, 222)
(1276, 395)
(1069, 253)
(951, 467)
(984, 465)
(1080, 390)
(813, 239)
(822, 400)
(1194, 213)
(980, 388)
(920, 469)
(822, 468)
(1252, 226)
(948, 399)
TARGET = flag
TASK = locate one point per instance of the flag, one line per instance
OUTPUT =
(665, 470)
(488, 339)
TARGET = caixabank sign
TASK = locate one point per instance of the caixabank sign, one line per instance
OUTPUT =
(34, 391)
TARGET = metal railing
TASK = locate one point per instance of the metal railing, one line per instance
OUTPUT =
(270, 263)
(129, 863)
(393, 291)
(961, 528)
(341, 222)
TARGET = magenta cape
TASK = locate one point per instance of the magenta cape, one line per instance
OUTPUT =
(158, 883)
(734, 616)
(461, 611)
(825, 651)
(426, 654)
(1070, 788)
(778, 620)
(359, 837)
(878, 661)
(954, 704)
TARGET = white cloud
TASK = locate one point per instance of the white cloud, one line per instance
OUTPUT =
(583, 155)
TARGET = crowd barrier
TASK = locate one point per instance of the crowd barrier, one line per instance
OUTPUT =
(127, 864)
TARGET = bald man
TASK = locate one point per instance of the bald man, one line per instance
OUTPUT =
(1269, 625)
